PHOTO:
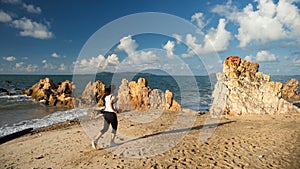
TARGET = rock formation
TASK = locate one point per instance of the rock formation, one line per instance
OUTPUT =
(138, 96)
(241, 89)
(2, 90)
(92, 96)
(171, 104)
(56, 95)
(290, 90)
(131, 95)
(124, 98)
(157, 99)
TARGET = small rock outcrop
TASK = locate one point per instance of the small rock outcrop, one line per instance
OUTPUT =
(290, 90)
(93, 95)
(171, 104)
(59, 95)
(241, 89)
(2, 90)
(138, 96)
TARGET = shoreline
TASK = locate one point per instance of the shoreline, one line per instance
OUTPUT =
(246, 141)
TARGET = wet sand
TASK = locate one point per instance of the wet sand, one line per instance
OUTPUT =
(248, 141)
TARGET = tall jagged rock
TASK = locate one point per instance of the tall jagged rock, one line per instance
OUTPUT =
(124, 98)
(241, 89)
(63, 94)
(93, 95)
(138, 96)
(139, 92)
(171, 104)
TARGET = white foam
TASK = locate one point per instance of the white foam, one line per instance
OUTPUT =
(53, 118)
(15, 97)
(42, 101)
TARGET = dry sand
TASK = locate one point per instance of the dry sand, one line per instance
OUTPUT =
(250, 141)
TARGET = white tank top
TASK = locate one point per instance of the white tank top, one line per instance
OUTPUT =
(108, 103)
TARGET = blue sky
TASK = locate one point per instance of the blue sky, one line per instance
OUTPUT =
(189, 37)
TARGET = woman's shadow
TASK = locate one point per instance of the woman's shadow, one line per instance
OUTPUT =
(173, 131)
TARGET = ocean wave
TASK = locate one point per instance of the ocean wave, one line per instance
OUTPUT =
(20, 97)
(53, 118)
(7, 101)
(12, 91)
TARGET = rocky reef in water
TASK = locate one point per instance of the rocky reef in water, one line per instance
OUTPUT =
(46, 91)
(131, 95)
(242, 89)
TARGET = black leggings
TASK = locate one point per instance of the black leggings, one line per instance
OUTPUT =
(110, 118)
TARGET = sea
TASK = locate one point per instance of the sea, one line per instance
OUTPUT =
(19, 112)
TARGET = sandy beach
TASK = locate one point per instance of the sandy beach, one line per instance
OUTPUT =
(248, 141)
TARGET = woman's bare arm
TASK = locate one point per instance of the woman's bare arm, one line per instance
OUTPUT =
(113, 100)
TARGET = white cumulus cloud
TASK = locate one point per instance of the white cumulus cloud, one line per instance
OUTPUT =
(28, 7)
(149, 58)
(22, 67)
(259, 25)
(112, 60)
(265, 56)
(266, 22)
(178, 38)
(9, 58)
(47, 65)
(62, 67)
(93, 63)
(193, 46)
(129, 46)
(31, 68)
(262, 56)
(32, 9)
(55, 55)
(12, 1)
(32, 29)
(250, 58)
(169, 47)
(19, 64)
(199, 19)
(297, 61)
(216, 40)
(5, 17)
(289, 15)
(28, 27)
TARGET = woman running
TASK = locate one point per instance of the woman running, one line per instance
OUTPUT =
(110, 117)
